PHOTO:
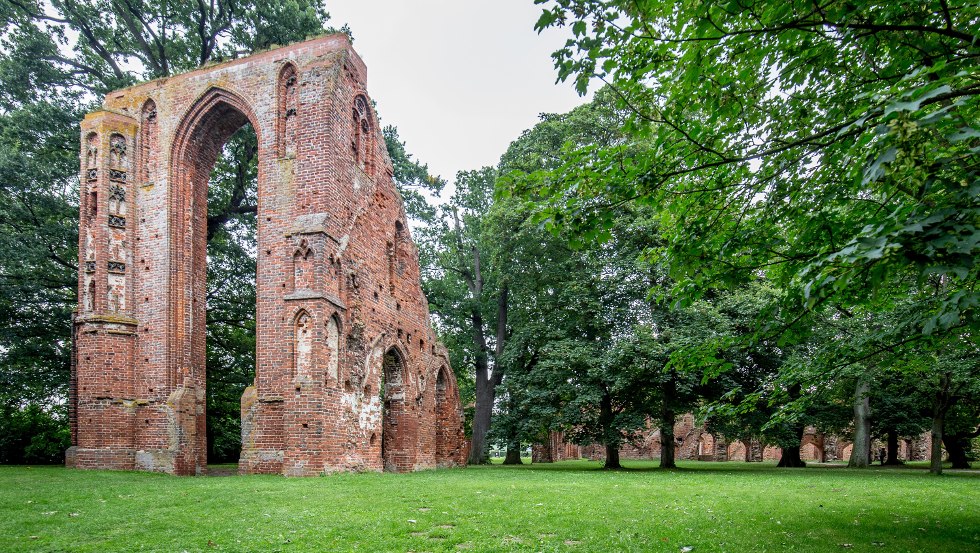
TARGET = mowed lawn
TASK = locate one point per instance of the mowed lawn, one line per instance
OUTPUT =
(571, 506)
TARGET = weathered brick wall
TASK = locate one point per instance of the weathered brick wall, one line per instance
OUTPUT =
(349, 374)
(555, 449)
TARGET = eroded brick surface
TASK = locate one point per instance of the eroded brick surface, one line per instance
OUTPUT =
(349, 374)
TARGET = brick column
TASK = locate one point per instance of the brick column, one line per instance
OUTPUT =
(102, 399)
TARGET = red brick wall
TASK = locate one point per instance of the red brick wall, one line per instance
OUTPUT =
(332, 247)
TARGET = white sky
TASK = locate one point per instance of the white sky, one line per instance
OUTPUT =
(459, 78)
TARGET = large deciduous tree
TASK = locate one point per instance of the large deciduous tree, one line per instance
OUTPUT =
(468, 292)
(831, 146)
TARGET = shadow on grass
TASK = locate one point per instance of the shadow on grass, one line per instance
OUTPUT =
(728, 467)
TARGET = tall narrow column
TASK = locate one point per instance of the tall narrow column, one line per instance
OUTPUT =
(102, 397)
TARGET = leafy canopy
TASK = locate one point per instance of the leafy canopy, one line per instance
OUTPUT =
(831, 145)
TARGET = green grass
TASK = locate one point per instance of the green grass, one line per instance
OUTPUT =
(571, 506)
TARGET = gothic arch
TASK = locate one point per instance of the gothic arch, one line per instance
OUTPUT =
(444, 416)
(303, 339)
(362, 143)
(148, 143)
(334, 330)
(198, 140)
(287, 110)
(395, 434)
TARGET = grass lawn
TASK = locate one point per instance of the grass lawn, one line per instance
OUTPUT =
(570, 506)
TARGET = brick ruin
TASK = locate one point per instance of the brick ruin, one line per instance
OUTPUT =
(349, 374)
(693, 442)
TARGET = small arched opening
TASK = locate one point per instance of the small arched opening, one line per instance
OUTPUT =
(706, 447)
(443, 418)
(737, 451)
(394, 457)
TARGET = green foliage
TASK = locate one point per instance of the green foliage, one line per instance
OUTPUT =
(412, 178)
(447, 250)
(589, 351)
(232, 199)
(32, 435)
(828, 151)
(830, 146)
(39, 235)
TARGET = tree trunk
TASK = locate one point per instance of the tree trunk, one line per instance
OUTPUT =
(956, 446)
(791, 455)
(893, 448)
(941, 404)
(667, 418)
(610, 435)
(861, 450)
(481, 415)
(486, 384)
(513, 454)
(936, 455)
(612, 457)
(667, 457)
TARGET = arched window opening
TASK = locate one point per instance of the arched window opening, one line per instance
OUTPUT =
(444, 419)
(231, 258)
(394, 411)
(362, 145)
(288, 111)
(333, 347)
(303, 346)
(148, 143)
(304, 277)
(117, 152)
(91, 151)
(391, 267)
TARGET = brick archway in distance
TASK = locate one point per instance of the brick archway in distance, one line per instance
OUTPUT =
(337, 276)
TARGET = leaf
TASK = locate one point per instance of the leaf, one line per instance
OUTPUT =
(964, 133)
(546, 19)
(876, 170)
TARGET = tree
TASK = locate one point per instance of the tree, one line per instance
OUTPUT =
(412, 178)
(469, 300)
(828, 146)
(831, 141)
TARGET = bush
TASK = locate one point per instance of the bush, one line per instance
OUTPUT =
(32, 435)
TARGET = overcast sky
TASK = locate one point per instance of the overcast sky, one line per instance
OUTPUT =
(459, 78)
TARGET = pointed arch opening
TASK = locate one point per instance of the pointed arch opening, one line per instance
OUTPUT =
(444, 418)
(394, 456)
(333, 348)
(213, 199)
(362, 136)
(287, 113)
(148, 144)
